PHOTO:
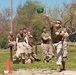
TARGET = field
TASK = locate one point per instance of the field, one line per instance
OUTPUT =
(71, 62)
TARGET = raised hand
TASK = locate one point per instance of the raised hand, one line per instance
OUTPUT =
(45, 15)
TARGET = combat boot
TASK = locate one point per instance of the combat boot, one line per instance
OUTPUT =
(63, 65)
(23, 61)
(58, 68)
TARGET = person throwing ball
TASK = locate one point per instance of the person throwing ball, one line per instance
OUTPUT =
(57, 34)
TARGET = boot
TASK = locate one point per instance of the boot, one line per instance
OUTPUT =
(35, 57)
(63, 65)
(15, 60)
(23, 61)
(58, 68)
(51, 61)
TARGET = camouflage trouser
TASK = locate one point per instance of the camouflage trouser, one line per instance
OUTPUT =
(30, 51)
(46, 51)
(65, 49)
(58, 52)
(21, 50)
(12, 44)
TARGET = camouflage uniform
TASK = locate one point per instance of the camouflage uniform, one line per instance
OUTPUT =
(20, 46)
(64, 48)
(29, 39)
(57, 44)
(29, 48)
(65, 38)
(12, 42)
(46, 47)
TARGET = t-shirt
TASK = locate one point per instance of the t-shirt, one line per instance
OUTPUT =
(11, 38)
(45, 35)
(29, 38)
(21, 38)
(25, 34)
(55, 38)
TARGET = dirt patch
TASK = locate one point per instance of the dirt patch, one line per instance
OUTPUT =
(40, 72)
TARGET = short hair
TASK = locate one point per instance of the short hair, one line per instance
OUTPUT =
(59, 21)
(43, 28)
(21, 29)
(24, 28)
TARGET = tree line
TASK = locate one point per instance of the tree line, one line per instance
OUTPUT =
(27, 16)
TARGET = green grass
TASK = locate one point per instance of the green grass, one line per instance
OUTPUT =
(71, 62)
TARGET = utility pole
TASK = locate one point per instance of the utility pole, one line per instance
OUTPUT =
(11, 16)
(11, 28)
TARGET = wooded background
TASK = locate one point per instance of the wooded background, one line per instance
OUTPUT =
(27, 16)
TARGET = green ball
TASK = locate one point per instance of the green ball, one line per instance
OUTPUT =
(40, 10)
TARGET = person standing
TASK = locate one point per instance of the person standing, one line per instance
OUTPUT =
(46, 46)
(57, 34)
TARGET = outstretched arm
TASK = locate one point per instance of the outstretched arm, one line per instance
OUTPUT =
(48, 20)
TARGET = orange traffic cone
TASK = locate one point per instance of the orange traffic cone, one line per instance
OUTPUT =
(8, 69)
